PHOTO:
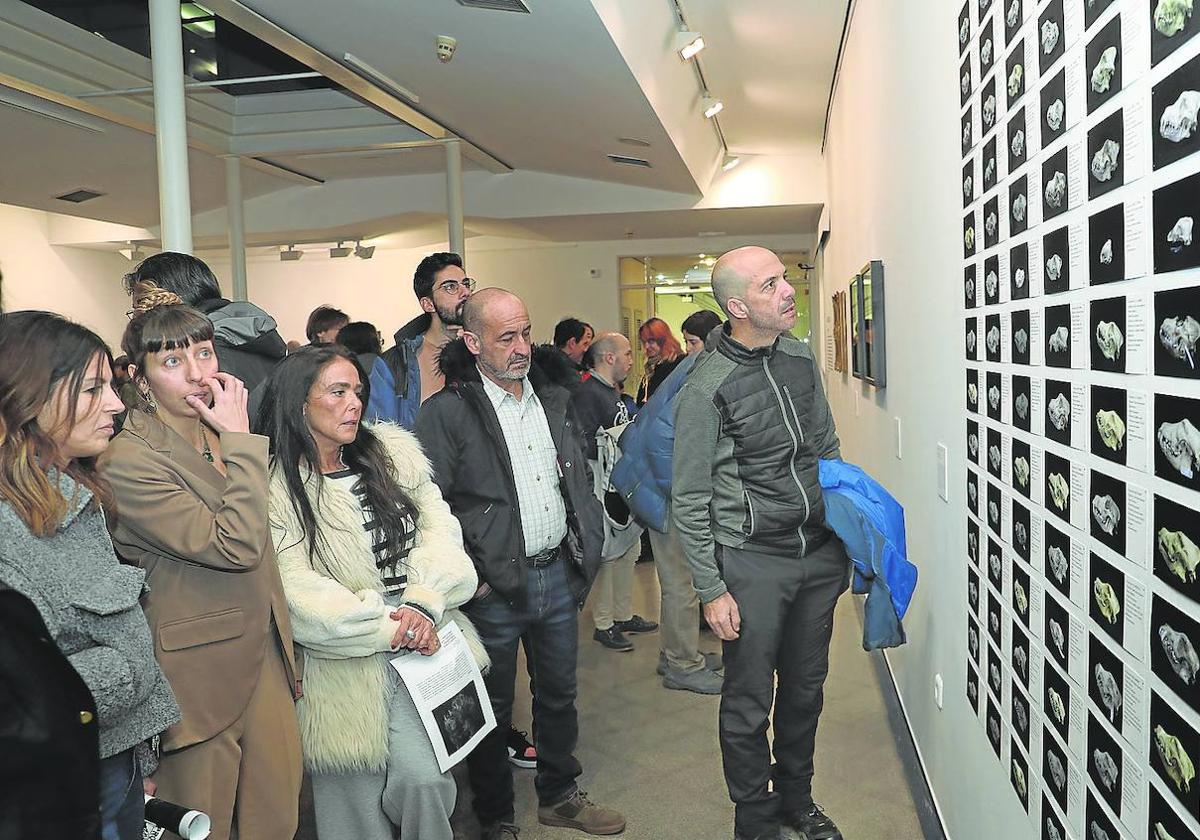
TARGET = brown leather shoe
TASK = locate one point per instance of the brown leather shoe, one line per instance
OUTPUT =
(577, 811)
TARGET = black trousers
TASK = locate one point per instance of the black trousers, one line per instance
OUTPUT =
(786, 606)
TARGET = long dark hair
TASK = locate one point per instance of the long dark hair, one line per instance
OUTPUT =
(293, 450)
(38, 350)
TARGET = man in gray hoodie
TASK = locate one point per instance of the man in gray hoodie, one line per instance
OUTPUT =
(751, 424)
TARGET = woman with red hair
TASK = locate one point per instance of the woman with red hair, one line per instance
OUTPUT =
(663, 353)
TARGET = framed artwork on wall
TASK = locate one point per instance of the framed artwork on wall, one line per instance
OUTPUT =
(867, 325)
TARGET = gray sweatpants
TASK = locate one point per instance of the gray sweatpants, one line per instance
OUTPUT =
(412, 795)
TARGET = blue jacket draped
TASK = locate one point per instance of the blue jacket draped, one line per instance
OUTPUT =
(870, 523)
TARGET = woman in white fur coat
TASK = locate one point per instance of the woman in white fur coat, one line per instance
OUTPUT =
(372, 564)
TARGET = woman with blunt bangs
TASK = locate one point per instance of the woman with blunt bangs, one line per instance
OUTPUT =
(191, 482)
(57, 408)
(663, 353)
(372, 564)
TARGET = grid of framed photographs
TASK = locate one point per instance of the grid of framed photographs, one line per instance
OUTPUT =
(1081, 287)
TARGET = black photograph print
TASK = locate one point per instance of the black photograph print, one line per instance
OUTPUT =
(1056, 699)
(1056, 634)
(995, 457)
(1174, 752)
(1021, 337)
(964, 27)
(989, 103)
(1056, 262)
(972, 492)
(1093, 9)
(1052, 35)
(1056, 198)
(965, 82)
(1055, 768)
(995, 564)
(1058, 486)
(1053, 106)
(974, 638)
(1015, 73)
(1105, 764)
(994, 733)
(973, 585)
(1021, 593)
(1110, 413)
(1018, 267)
(1172, 24)
(1018, 774)
(972, 687)
(1106, 246)
(994, 407)
(970, 284)
(972, 381)
(1106, 154)
(989, 165)
(1022, 403)
(1176, 208)
(991, 335)
(991, 222)
(974, 442)
(1014, 15)
(968, 182)
(1106, 681)
(1018, 206)
(1018, 145)
(1174, 106)
(1058, 411)
(1177, 440)
(1102, 70)
(1020, 656)
(1058, 558)
(969, 235)
(1176, 555)
(994, 507)
(1098, 823)
(1106, 598)
(973, 544)
(972, 339)
(1020, 717)
(1174, 636)
(1022, 479)
(1052, 824)
(1177, 332)
(1107, 334)
(991, 280)
(968, 131)
(1165, 822)
(995, 671)
(1058, 338)
(987, 47)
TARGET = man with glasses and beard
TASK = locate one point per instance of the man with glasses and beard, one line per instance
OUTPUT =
(509, 457)
(407, 374)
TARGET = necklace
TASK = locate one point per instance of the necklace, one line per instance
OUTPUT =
(207, 453)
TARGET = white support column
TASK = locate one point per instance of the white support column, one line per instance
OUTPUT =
(237, 226)
(454, 202)
(170, 126)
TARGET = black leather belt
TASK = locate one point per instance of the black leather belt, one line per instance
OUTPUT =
(542, 559)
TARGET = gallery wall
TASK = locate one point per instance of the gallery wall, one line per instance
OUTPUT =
(1062, 715)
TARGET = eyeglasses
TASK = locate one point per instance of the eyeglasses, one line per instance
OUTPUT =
(451, 287)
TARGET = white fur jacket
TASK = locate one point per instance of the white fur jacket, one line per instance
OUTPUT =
(338, 614)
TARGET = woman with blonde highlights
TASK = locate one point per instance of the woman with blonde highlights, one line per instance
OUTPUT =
(191, 482)
(57, 408)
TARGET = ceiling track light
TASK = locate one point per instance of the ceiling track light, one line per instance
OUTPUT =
(688, 44)
(364, 252)
(290, 254)
(729, 162)
(711, 106)
(339, 251)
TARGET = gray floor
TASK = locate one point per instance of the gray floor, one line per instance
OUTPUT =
(653, 753)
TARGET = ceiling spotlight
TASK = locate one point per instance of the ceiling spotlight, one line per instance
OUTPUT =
(711, 106)
(290, 254)
(687, 44)
(364, 252)
(729, 162)
(339, 251)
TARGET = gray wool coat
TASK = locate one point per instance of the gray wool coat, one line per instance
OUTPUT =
(90, 603)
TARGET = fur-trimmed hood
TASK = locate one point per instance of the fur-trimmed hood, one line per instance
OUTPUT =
(338, 611)
(550, 366)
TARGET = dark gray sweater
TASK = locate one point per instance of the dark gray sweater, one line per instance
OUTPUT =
(90, 604)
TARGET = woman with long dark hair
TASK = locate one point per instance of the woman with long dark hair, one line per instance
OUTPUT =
(191, 482)
(57, 408)
(663, 353)
(372, 564)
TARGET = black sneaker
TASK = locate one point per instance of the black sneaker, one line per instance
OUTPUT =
(521, 753)
(637, 624)
(500, 831)
(813, 824)
(613, 639)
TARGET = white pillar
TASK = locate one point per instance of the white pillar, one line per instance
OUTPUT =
(170, 126)
(237, 226)
(454, 202)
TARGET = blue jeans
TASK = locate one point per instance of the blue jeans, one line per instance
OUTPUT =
(548, 619)
(122, 804)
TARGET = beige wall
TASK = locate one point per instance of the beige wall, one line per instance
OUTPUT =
(82, 284)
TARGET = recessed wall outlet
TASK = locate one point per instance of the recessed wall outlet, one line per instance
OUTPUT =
(937, 690)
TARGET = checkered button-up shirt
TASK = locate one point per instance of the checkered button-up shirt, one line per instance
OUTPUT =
(535, 465)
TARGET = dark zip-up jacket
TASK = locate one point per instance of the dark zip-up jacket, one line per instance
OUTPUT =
(395, 376)
(462, 438)
(750, 427)
(247, 341)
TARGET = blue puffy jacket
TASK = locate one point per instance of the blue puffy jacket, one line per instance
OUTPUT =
(870, 523)
(642, 475)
